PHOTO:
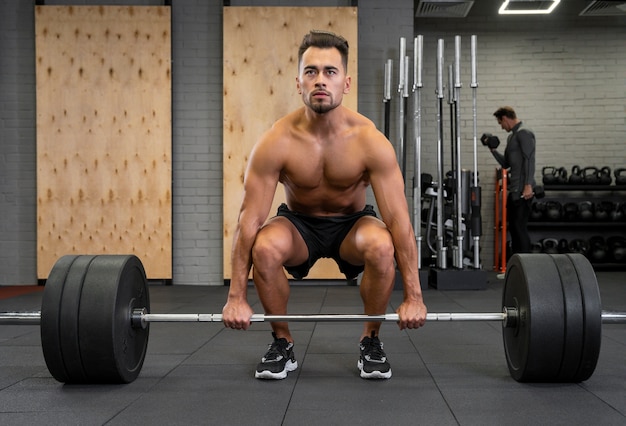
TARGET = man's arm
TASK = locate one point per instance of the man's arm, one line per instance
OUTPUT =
(499, 158)
(260, 181)
(526, 140)
(388, 186)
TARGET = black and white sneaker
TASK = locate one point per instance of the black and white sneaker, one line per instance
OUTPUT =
(277, 361)
(373, 361)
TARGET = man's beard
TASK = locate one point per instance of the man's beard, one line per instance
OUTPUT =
(321, 108)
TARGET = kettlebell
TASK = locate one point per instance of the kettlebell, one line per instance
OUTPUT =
(570, 211)
(537, 210)
(618, 212)
(576, 178)
(603, 210)
(585, 210)
(554, 210)
(536, 247)
(550, 245)
(563, 246)
(604, 176)
(617, 248)
(590, 176)
(561, 176)
(579, 245)
(620, 176)
(549, 175)
(597, 249)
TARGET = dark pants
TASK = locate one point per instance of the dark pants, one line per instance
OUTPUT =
(518, 212)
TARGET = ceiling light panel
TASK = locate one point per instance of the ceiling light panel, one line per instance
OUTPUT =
(527, 7)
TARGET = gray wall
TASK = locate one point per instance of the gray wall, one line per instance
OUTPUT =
(566, 80)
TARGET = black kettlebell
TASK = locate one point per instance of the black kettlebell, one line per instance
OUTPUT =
(563, 246)
(620, 176)
(590, 176)
(549, 176)
(561, 176)
(617, 248)
(554, 210)
(603, 211)
(550, 245)
(576, 177)
(618, 212)
(536, 247)
(604, 176)
(579, 245)
(597, 249)
(585, 210)
(570, 211)
(537, 210)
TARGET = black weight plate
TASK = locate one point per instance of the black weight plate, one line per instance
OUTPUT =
(574, 318)
(592, 309)
(112, 350)
(68, 319)
(534, 349)
(50, 316)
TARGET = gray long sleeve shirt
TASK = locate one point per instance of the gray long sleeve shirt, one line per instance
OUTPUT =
(519, 158)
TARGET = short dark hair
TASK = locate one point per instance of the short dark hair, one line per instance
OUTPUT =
(505, 111)
(324, 40)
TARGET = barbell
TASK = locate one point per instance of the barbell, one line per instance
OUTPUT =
(95, 317)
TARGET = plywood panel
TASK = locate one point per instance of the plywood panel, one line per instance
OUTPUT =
(104, 134)
(260, 70)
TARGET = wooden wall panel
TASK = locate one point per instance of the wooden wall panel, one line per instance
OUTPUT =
(260, 70)
(104, 134)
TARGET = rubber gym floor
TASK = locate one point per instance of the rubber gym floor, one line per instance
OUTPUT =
(451, 373)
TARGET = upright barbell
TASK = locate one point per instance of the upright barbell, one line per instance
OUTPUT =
(95, 318)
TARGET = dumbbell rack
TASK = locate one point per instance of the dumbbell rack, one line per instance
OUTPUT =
(571, 229)
(500, 231)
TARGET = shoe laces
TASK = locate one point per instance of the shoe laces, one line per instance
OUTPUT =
(277, 349)
(373, 348)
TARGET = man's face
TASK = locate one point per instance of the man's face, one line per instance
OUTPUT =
(322, 79)
(505, 123)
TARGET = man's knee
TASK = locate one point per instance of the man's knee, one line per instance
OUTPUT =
(378, 249)
(267, 252)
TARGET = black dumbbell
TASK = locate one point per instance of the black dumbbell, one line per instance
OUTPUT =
(490, 140)
(539, 192)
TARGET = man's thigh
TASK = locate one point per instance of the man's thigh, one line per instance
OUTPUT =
(280, 234)
(366, 231)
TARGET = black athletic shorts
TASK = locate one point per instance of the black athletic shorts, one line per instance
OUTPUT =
(323, 236)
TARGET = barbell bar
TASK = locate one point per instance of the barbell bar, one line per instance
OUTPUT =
(95, 318)
(140, 317)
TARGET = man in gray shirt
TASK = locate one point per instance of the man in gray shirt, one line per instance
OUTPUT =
(519, 158)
